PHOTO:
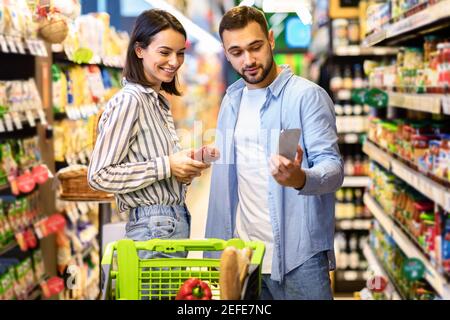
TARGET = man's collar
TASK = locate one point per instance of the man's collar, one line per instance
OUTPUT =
(275, 87)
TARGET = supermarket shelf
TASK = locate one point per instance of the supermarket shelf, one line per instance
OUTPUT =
(63, 58)
(353, 224)
(432, 103)
(22, 46)
(26, 131)
(433, 190)
(352, 124)
(351, 275)
(343, 94)
(378, 270)
(4, 187)
(434, 16)
(364, 51)
(436, 280)
(8, 248)
(35, 293)
(375, 153)
(350, 138)
(291, 51)
(356, 182)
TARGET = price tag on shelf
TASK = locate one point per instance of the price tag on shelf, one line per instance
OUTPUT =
(2, 126)
(16, 119)
(42, 48)
(351, 138)
(84, 111)
(33, 46)
(19, 45)
(8, 122)
(3, 44)
(346, 224)
(83, 207)
(447, 201)
(82, 158)
(446, 104)
(30, 117)
(42, 117)
(11, 44)
(350, 275)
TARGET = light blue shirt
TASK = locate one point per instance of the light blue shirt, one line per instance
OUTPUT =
(302, 221)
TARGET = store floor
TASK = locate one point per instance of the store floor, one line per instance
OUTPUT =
(197, 203)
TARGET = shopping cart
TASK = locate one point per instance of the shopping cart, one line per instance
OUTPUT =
(127, 277)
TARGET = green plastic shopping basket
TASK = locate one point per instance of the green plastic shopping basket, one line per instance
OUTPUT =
(127, 277)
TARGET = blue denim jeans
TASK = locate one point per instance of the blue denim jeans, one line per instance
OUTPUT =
(158, 221)
(309, 281)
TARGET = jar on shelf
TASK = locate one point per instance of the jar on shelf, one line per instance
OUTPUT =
(353, 32)
(340, 36)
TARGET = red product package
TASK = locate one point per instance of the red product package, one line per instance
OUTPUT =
(52, 286)
(206, 154)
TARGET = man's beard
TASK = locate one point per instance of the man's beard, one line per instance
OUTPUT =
(264, 75)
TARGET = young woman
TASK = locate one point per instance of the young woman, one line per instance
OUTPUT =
(137, 154)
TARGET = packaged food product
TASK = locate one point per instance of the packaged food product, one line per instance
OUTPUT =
(420, 145)
(340, 38)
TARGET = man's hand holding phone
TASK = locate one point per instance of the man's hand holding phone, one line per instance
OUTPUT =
(286, 165)
(286, 172)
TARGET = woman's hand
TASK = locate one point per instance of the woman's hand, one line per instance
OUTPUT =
(185, 169)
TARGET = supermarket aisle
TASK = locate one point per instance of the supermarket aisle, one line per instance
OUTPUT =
(197, 202)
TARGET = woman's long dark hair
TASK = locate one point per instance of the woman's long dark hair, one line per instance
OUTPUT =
(148, 24)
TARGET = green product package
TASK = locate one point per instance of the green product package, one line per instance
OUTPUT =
(376, 98)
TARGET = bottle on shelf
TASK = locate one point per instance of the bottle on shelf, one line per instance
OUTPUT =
(350, 205)
(348, 108)
(340, 208)
(359, 203)
(358, 81)
(336, 81)
(354, 254)
(338, 108)
(347, 82)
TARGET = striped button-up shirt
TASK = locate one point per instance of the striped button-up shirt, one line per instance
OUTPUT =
(130, 158)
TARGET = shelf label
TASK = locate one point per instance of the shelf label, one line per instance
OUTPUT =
(30, 117)
(42, 117)
(31, 47)
(19, 45)
(8, 122)
(351, 138)
(42, 48)
(3, 44)
(16, 119)
(11, 44)
(446, 104)
(2, 126)
(414, 269)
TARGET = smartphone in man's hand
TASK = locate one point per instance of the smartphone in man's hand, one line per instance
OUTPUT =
(288, 142)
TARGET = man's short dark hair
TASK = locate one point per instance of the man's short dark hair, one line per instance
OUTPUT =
(240, 17)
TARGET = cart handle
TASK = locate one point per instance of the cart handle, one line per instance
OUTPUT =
(185, 245)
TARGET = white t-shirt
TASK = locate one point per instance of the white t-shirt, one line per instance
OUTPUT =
(253, 219)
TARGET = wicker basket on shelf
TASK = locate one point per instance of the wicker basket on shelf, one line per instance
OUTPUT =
(75, 186)
(54, 29)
